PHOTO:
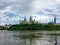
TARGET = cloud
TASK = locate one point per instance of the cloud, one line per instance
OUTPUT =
(15, 10)
(57, 1)
(42, 4)
(42, 18)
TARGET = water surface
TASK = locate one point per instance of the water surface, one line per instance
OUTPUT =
(29, 38)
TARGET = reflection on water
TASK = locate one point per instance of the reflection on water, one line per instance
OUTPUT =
(29, 38)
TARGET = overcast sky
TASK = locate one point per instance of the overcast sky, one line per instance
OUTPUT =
(11, 11)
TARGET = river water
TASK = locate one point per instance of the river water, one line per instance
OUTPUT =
(29, 38)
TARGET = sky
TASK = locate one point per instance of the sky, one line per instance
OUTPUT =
(11, 11)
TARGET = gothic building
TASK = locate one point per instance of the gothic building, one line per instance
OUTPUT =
(54, 20)
(27, 22)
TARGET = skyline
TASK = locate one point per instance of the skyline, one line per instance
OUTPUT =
(11, 11)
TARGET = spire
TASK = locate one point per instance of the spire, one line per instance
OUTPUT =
(54, 20)
(25, 19)
(31, 19)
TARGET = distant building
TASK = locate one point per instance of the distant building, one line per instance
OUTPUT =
(54, 20)
(24, 21)
(7, 25)
(27, 22)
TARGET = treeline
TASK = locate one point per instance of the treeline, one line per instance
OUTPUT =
(34, 27)
(3, 28)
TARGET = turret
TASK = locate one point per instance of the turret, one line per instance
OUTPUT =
(31, 19)
(54, 20)
(25, 19)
